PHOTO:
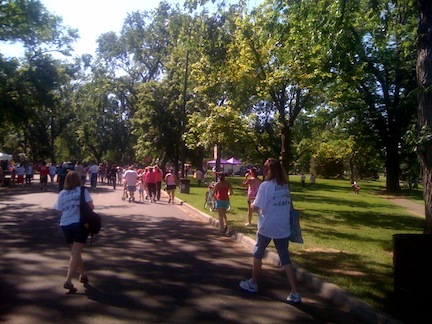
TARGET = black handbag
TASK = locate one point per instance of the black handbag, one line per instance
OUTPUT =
(91, 221)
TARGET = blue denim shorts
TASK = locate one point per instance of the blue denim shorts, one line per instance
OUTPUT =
(222, 204)
(131, 188)
(74, 233)
(281, 246)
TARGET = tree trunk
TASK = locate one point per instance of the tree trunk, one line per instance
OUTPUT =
(286, 149)
(392, 167)
(424, 79)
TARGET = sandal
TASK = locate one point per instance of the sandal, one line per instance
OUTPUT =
(70, 287)
(83, 279)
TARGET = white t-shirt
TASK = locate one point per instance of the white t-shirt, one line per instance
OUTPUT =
(68, 202)
(94, 169)
(274, 203)
(131, 177)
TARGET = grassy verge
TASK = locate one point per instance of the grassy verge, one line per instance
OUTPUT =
(348, 237)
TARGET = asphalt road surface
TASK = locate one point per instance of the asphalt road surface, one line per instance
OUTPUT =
(151, 263)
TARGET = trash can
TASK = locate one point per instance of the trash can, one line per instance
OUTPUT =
(184, 185)
(412, 260)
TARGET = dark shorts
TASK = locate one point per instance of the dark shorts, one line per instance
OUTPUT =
(43, 179)
(171, 187)
(74, 233)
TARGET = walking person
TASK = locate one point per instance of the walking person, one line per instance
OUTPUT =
(130, 178)
(28, 174)
(159, 176)
(252, 182)
(150, 180)
(67, 205)
(273, 202)
(312, 180)
(221, 192)
(44, 171)
(171, 185)
(303, 180)
(20, 172)
(198, 176)
(93, 172)
(52, 172)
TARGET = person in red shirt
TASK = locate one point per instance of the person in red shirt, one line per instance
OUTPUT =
(221, 192)
(159, 175)
(43, 173)
(150, 179)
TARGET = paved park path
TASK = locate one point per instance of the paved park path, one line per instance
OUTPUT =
(151, 263)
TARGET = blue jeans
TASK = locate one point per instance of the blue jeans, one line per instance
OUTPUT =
(93, 180)
(281, 246)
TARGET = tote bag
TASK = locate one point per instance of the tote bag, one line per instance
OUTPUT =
(296, 234)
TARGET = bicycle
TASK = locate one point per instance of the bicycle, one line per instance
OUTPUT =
(209, 202)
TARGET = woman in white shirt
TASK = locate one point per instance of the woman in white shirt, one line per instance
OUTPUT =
(68, 207)
(273, 203)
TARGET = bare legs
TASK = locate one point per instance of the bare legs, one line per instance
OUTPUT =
(222, 219)
(289, 271)
(75, 261)
(171, 195)
(250, 211)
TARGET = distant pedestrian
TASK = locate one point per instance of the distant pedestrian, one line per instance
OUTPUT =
(93, 173)
(273, 203)
(159, 176)
(312, 180)
(52, 172)
(222, 190)
(20, 172)
(28, 174)
(112, 176)
(303, 180)
(150, 180)
(252, 182)
(198, 176)
(131, 178)
(171, 185)
(67, 204)
(44, 171)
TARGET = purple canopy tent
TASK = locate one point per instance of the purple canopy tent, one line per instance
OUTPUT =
(222, 161)
(234, 161)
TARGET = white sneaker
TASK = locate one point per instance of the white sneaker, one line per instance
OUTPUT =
(294, 298)
(249, 286)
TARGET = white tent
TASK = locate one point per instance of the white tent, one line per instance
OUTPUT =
(4, 156)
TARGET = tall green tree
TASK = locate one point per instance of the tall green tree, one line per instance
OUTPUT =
(373, 59)
(424, 79)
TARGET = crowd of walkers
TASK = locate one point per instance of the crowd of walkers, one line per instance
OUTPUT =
(148, 181)
(270, 198)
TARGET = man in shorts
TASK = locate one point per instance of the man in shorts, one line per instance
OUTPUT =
(131, 177)
(43, 174)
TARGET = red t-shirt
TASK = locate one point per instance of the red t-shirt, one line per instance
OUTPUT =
(43, 170)
(150, 177)
(222, 193)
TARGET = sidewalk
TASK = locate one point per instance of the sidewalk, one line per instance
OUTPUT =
(151, 263)
(411, 206)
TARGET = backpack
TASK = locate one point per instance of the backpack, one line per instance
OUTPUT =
(90, 220)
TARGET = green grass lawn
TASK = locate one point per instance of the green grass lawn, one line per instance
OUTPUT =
(347, 237)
